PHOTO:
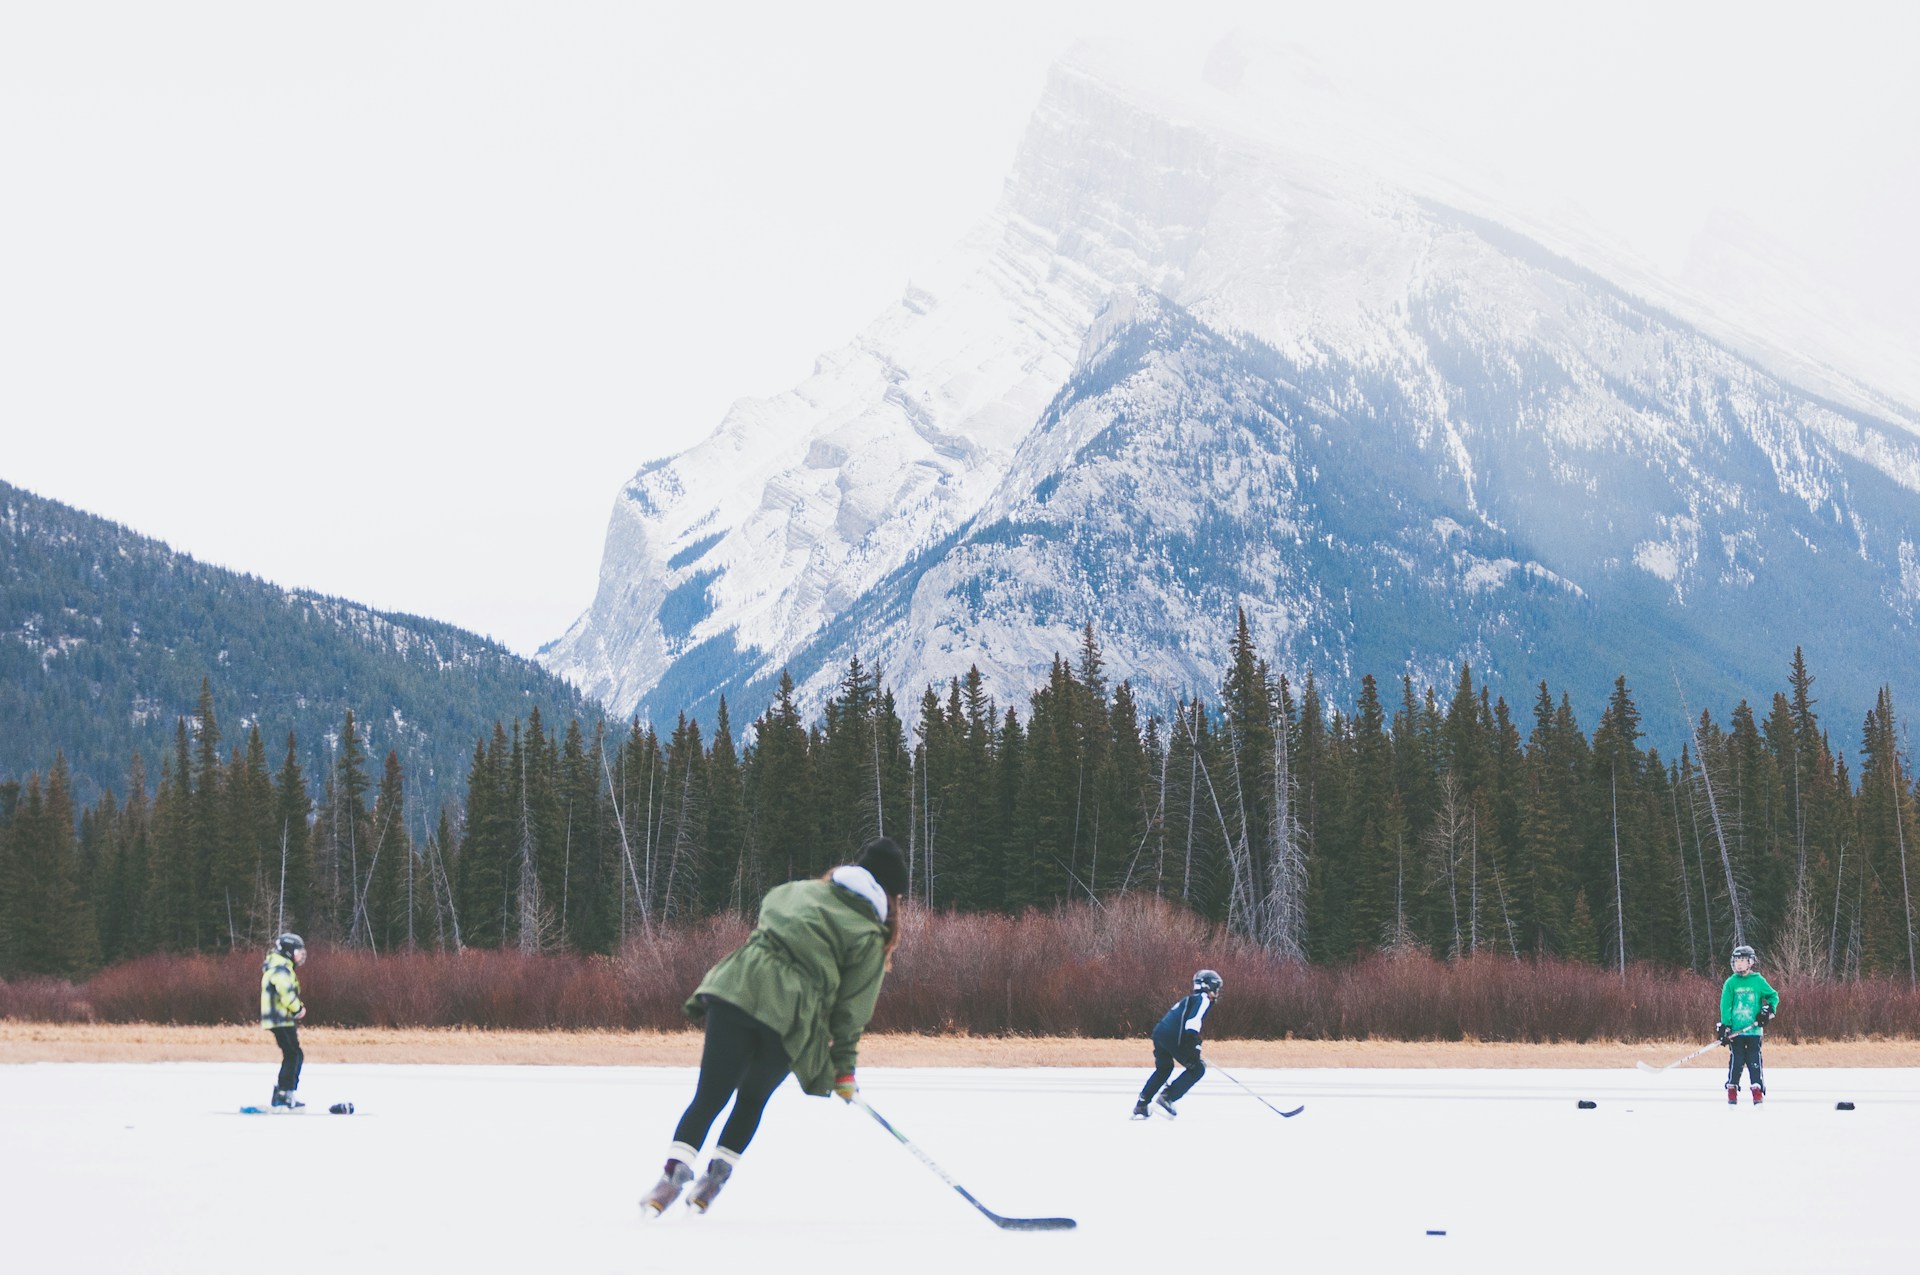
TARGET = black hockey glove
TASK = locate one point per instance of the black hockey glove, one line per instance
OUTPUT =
(1765, 1015)
(1722, 1033)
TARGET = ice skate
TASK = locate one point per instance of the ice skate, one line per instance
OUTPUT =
(1759, 1095)
(673, 1180)
(719, 1169)
(1141, 1111)
(284, 1100)
(1166, 1108)
(1733, 1095)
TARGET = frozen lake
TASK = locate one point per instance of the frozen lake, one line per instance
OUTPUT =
(138, 1168)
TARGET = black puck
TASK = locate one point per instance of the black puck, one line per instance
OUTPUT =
(1843, 1106)
(1587, 1104)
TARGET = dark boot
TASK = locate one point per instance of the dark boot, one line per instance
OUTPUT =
(1141, 1111)
(283, 1100)
(1166, 1107)
(719, 1169)
(673, 1180)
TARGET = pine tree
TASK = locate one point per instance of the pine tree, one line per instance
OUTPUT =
(1540, 886)
(386, 905)
(480, 874)
(172, 906)
(724, 885)
(341, 835)
(782, 794)
(212, 850)
(122, 896)
(50, 926)
(1013, 823)
(290, 847)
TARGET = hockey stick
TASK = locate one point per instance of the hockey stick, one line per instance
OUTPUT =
(1263, 1102)
(1004, 1223)
(1715, 1044)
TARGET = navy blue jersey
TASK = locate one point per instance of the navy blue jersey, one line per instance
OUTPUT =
(1186, 1016)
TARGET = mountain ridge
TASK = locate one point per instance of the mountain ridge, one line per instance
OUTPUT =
(1533, 383)
(106, 635)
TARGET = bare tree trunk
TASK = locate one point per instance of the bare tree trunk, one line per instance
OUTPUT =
(1286, 914)
(1900, 839)
(1720, 835)
(1833, 942)
(1193, 801)
(1619, 900)
(626, 849)
(1686, 893)
(879, 793)
(1473, 879)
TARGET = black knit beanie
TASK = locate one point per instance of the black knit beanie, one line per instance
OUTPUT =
(883, 859)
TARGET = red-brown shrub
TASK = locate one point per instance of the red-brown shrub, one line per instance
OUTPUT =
(1091, 970)
(44, 1000)
(194, 989)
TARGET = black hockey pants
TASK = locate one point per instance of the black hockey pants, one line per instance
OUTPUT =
(1744, 1051)
(1163, 1061)
(288, 1038)
(742, 1059)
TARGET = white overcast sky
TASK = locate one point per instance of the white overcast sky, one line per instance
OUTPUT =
(389, 299)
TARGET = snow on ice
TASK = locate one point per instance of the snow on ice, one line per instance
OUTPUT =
(119, 1168)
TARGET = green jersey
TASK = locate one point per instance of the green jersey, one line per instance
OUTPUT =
(1740, 1000)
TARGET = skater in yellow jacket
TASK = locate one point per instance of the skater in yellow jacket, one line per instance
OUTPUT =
(281, 1010)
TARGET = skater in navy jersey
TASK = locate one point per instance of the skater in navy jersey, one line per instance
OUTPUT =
(1176, 1039)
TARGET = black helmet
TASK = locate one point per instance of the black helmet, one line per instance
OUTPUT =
(289, 943)
(1207, 981)
(1745, 953)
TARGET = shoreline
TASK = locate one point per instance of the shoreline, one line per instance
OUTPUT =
(31, 1042)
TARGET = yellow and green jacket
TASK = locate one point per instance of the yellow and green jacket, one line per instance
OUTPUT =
(279, 991)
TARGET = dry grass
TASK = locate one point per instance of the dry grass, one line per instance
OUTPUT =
(25, 1042)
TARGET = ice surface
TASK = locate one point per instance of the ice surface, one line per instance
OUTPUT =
(127, 1168)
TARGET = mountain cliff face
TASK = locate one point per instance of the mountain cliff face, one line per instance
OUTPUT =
(1182, 372)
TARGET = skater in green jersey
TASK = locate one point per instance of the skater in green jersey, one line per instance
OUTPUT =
(1747, 1004)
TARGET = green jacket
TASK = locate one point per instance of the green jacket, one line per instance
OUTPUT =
(1740, 1000)
(810, 970)
(279, 991)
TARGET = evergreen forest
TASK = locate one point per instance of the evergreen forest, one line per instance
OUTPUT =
(1438, 820)
(106, 638)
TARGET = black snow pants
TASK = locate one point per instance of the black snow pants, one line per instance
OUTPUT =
(1187, 1056)
(288, 1038)
(742, 1059)
(1744, 1051)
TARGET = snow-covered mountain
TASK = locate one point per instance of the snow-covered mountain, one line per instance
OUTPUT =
(1188, 367)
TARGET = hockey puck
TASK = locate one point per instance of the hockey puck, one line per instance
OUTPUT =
(1843, 1106)
(1587, 1104)
(341, 1108)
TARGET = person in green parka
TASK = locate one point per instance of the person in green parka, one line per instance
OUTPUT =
(795, 997)
(1747, 1004)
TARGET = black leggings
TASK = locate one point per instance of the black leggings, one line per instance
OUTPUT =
(742, 1059)
(1163, 1067)
(288, 1038)
(1745, 1051)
